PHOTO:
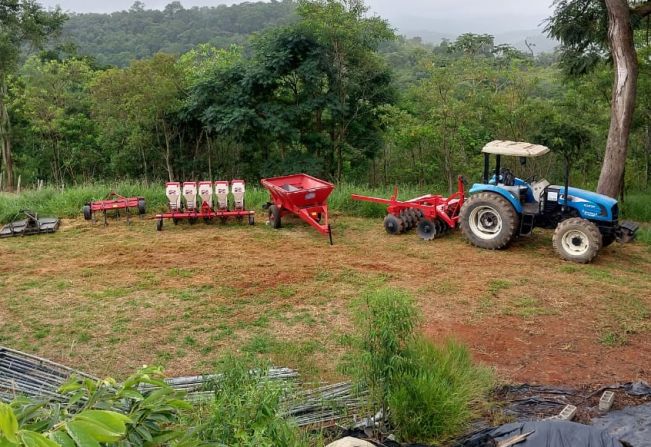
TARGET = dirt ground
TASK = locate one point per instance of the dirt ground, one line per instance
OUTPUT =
(108, 300)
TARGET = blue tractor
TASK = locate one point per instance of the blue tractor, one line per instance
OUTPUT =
(505, 207)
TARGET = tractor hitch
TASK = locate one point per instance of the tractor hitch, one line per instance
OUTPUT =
(626, 232)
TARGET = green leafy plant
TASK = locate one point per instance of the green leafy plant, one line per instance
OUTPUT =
(434, 396)
(387, 319)
(246, 410)
(141, 411)
(426, 392)
(87, 428)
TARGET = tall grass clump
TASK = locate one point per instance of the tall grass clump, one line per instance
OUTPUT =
(246, 410)
(637, 206)
(427, 392)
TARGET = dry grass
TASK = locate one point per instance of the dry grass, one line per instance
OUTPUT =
(107, 300)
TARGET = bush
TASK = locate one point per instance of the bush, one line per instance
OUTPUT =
(428, 392)
(143, 410)
(433, 398)
(246, 409)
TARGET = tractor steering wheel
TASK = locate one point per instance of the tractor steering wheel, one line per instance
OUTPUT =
(508, 178)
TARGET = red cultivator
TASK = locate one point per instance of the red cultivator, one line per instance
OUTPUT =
(302, 195)
(183, 203)
(114, 202)
(432, 215)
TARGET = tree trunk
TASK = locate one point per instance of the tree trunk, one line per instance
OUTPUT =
(5, 139)
(620, 35)
(647, 147)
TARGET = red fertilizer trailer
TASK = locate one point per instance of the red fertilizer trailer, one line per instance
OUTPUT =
(183, 203)
(432, 215)
(302, 195)
(114, 202)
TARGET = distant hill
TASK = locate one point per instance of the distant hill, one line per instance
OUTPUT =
(539, 42)
(119, 37)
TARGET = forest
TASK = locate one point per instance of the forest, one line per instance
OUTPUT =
(322, 87)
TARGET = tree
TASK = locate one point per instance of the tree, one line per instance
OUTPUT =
(584, 31)
(53, 98)
(358, 76)
(140, 104)
(22, 22)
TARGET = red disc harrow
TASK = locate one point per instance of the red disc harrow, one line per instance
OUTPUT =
(431, 215)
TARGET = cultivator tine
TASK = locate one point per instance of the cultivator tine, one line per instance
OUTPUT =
(330, 234)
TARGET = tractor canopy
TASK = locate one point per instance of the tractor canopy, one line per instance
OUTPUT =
(515, 149)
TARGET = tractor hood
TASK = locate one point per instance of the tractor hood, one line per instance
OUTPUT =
(591, 205)
(600, 199)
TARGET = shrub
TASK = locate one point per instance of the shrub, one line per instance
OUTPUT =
(96, 413)
(386, 321)
(433, 398)
(246, 409)
(427, 393)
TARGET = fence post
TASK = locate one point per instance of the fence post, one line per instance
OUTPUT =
(18, 189)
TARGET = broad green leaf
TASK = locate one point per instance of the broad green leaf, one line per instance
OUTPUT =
(131, 394)
(81, 434)
(8, 423)
(108, 420)
(62, 438)
(5, 443)
(98, 431)
(33, 439)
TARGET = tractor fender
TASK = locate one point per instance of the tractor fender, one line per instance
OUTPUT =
(481, 187)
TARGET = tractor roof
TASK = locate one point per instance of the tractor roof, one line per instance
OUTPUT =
(515, 148)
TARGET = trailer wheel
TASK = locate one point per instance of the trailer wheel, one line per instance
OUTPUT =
(393, 224)
(274, 216)
(251, 219)
(175, 220)
(488, 221)
(88, 215)
(142, 208)
(426, 230)
(159, 225)
(577, 240)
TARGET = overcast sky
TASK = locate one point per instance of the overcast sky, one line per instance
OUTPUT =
(479, 16)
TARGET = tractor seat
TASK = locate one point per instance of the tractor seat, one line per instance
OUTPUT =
(537, 188)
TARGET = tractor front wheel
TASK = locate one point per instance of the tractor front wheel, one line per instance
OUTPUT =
(489, 221)
(577, 240)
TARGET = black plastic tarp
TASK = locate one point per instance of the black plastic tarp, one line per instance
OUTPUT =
(545, 434)
(631, 424)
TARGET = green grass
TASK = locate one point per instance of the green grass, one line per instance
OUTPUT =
(67, 203)
(637, 206)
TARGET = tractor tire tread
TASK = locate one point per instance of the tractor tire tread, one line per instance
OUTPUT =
(510, 220)
(589, 228)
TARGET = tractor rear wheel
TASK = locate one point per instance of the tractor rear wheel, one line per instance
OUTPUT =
(488, 221)
(577, 240)
(393, 224)
(274, 216)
